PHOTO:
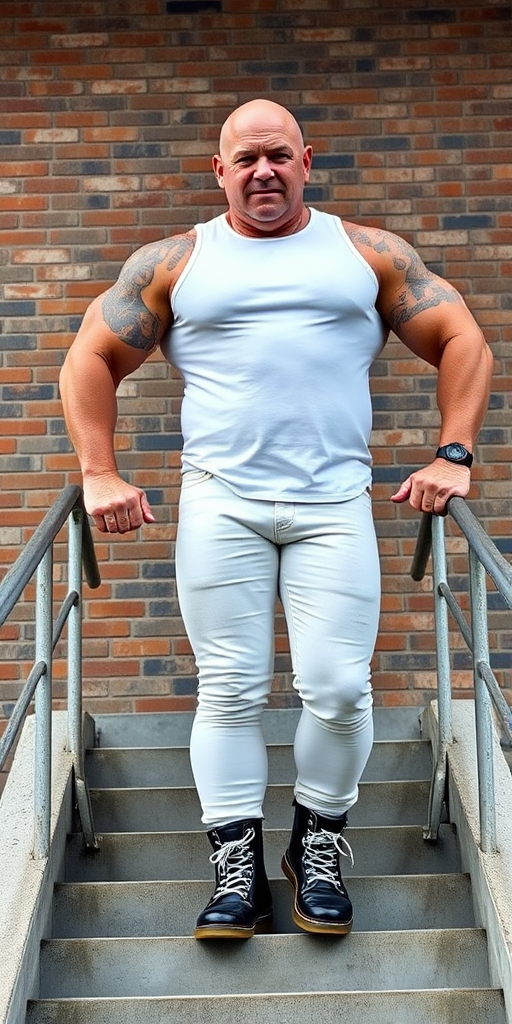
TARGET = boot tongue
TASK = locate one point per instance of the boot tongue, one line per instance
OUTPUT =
(232, 831)
(320, 821)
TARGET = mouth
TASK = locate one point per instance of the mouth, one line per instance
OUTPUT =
(266, 192)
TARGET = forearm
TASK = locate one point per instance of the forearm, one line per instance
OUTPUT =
(90, 410)
(464, 382)
(463, 388)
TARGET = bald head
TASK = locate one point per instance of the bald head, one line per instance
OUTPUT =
(258, 116)
(263, 166)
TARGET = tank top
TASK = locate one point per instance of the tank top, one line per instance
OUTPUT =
(274, 338)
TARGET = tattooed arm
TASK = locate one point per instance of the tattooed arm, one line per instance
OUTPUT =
(119, 331)
(432, 319)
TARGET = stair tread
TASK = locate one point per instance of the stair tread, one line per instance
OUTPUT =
(88, 909)
(438, 958)
(156, 855)
(434, 1006)
(158, 808)
(391, 760)
(123, 950)
(154, 729)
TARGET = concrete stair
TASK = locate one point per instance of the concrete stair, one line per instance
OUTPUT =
(121, 947)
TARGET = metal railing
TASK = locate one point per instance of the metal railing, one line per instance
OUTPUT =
(483, 558)
(37, 558)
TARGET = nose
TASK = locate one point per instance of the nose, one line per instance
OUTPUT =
(263, 170)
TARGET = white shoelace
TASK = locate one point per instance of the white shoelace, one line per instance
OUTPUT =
(235, 877)
(321, 860)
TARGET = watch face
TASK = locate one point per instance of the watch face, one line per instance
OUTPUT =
(456, 452)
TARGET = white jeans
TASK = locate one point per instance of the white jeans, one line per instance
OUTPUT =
(234, 557)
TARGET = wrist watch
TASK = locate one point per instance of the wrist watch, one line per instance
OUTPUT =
(455, 452)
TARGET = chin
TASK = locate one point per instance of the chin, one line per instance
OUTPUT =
(266, 213)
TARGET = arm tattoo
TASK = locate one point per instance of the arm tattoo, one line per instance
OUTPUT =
(124, 309)
(420, 290)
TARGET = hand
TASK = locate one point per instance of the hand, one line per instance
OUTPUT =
(116, 506)
(429, 489)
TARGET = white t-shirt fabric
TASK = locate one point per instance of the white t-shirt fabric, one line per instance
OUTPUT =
(274, 338)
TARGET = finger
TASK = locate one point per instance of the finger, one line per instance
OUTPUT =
(147, 514)
(135, 517)
(440, 502)
(111, 522)
(100, 524)
(403, 491)
(123, 522)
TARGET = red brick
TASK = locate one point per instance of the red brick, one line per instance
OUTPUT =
(152, 704)
(62, 249)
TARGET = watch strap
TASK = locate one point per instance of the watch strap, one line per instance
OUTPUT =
(456, 453)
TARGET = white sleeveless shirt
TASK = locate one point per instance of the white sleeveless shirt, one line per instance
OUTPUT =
(274, 338)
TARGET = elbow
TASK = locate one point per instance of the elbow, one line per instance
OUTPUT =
(63, 376)
(489, 360)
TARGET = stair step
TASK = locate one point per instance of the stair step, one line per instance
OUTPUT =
(122, 949)
(455, 1006)
(268, 963)
(139, 856)
(156, 766)
(156, 810)
(172, 729)
(382, 903)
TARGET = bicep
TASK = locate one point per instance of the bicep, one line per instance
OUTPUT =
(137, 307)
(96, 348)
(126, 323)
(422, 309)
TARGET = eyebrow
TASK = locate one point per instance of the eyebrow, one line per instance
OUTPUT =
(270, 150)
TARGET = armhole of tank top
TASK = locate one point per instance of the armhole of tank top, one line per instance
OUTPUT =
(198, 228)
(349, 243)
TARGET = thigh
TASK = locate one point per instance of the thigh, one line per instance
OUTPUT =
(330, 589)
(227, 581)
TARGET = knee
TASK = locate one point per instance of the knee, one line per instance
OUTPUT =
(225, 700)
(340, 699)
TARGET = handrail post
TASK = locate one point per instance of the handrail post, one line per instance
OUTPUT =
(484, 558)
(75, 732)
(75, 632)
(438, 786)
(483, 708)
(37, 558)
(43, 707)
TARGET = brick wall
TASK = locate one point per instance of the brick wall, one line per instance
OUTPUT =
(107, 126)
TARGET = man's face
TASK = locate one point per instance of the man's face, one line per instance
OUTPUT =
(263, 167)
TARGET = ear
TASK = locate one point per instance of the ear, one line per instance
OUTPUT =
(307, 158)
(218, 170)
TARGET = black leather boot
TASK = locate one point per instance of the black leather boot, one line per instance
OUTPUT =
(311, 864)
(241, 904)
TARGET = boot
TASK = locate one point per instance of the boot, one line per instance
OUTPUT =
(311, 864)
(241, 904)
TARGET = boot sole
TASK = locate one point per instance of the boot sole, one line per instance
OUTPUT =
(219, 931)
(310, 924)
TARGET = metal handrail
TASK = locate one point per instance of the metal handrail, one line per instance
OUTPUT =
(37, 558)
(484, 557)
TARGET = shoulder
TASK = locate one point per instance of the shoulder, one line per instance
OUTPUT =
(387, 254)
(406, 286)
(164, 256)
(136, 308)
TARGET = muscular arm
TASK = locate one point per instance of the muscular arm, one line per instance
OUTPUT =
(119, 331)
(432, 319)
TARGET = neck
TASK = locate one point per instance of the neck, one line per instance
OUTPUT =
(255, 229)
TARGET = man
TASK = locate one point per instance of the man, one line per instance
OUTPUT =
(273, 313)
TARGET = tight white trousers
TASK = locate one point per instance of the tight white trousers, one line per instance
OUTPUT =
(234, 557)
